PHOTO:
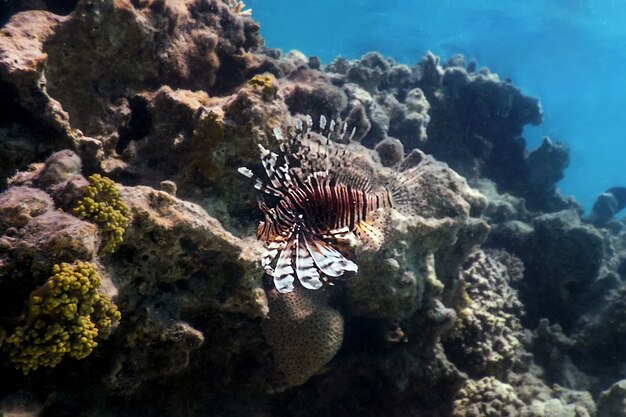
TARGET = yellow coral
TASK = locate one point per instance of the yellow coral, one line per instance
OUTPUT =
(267, 83)
(65, 316)
(101, 203)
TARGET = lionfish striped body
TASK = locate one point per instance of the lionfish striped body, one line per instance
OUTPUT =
(321, 203)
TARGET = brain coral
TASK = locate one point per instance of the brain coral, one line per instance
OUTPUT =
(65, 316)
(303, 331)
(101, 203)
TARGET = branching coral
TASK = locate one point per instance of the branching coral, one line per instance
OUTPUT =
(101, 203)
(65, 316)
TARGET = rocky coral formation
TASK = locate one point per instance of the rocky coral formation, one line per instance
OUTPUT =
(607, 205)
(44, 317)
(612, 402)
(488, 333)
(491, 397)
(486, 397)
(167, 100)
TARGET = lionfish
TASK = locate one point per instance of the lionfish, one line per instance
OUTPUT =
(322, 201)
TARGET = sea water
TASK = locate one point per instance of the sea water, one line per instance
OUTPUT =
(568, 53)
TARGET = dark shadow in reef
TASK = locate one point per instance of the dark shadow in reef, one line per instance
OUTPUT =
(11, 7)
(138, 126)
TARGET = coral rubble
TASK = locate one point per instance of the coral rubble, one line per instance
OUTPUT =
(127, 237)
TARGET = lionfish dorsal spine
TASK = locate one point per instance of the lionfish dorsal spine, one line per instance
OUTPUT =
(322, 122)
(259, 184)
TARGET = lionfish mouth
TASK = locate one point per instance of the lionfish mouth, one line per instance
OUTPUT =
(321, 202)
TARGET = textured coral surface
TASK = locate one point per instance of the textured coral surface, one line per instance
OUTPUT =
(130, 274)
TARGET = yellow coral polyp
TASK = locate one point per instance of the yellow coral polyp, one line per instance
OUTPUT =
(267, 83)
(101, 203)
(65, 317)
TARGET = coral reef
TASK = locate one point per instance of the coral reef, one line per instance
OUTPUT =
(489, 294)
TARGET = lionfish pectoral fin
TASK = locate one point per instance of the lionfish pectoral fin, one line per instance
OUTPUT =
(267, 258)
(283, 273)
(306, 271)
(343, 236)
(369, 232)
(329, 261)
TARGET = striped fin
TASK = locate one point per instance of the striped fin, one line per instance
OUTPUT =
(370, 234)
(273, 229)
(268, 159)
(269, 255)
(342, 236)
(259, 184)
(283, 273)
(322, 122)
(329, 261)
(266, 260)
(305, 266)
(278, 134)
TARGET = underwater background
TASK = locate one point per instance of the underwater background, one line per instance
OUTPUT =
(210, 208)
(566, 52)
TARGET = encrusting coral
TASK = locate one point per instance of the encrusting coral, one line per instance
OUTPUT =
(65, 316)
(486, 397)
(267, 83)
(101, 203)
(488, 333)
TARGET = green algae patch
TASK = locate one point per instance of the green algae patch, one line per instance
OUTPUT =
(101, 204)
(64, 318)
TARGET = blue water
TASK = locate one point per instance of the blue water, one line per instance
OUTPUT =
(569, 53)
